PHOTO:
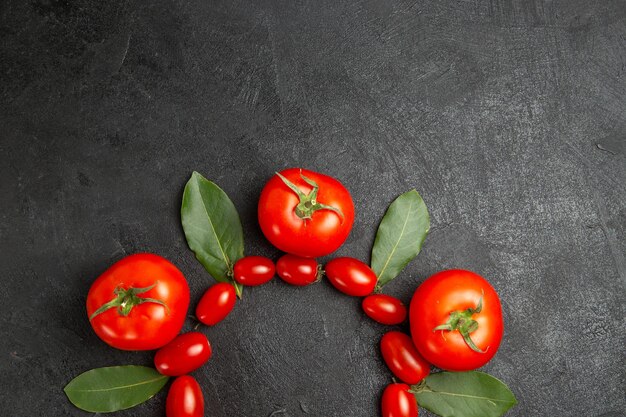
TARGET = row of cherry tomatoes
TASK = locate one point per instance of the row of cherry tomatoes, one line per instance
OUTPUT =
(350, 276)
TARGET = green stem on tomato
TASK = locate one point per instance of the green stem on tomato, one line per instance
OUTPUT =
(308, 202)
(420, 387)
(320, 273)
(464, 323)
(126, 299)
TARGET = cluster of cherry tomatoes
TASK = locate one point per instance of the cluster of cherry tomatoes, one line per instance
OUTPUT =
(456, 321)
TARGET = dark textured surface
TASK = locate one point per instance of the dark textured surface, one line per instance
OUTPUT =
(509, 117)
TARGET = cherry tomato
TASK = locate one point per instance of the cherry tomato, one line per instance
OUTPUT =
(456, 320)
(297, 270)
(185, 398)
(186, 353)
(253, 270)
(351, 276)
(305, 213)
(402, 358)
(397, 401)
(216, 303)
(384, 309)
(139, 303)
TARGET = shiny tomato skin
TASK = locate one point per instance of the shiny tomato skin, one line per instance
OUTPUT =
(216, 303)
(384, 309)
(185, 398)
(297, 270)
(148, 325)
(351, 276)
(321, 235)
(253, 270)
(186, 353)
(402, 358)
(431, 305)
(397, 401)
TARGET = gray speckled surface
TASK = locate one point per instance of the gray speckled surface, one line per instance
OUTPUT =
(507, 116)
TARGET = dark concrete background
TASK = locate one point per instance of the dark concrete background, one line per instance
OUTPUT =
(509, 117)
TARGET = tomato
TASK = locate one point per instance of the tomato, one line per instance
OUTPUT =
(397, 401)
(384, 309)
(139, 303)
(351, 276)
(184, 398)
(186, 353)
(216, 303)
(402, 358)
(456, 320)
(253, 270)
(297, 270)
(305, 213)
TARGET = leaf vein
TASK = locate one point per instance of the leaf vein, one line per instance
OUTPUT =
(472, 396)
(119, 387)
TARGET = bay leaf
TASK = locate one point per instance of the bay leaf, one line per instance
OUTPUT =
(212, 228)
(464, 394)
(400, 236)
(103, 390)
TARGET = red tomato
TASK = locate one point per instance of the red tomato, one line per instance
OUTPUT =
(305, 213)
(384, 309)
(456, 320)
(186, 353)
(216, 303)
(297, 270)
(185, 398)
(253, 270)
(397, 401)
(351, 276)
(139, 303)
(402, 358)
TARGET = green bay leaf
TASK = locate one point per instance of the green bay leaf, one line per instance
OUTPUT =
(464, 394)
(400, 236)
(212, 228)
(114, 388)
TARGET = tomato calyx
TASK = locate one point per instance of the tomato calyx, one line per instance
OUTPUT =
(464, 323)
(126, 299)
(419, 387)
(308, 202)
(319, 274)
